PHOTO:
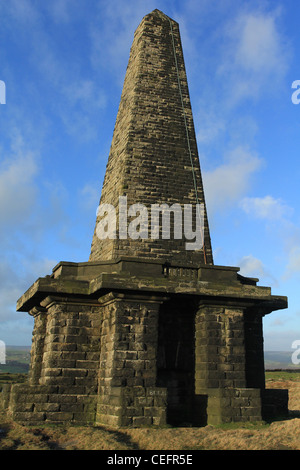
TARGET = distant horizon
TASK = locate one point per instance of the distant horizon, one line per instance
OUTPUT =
(58, 116)
(272, 359)
(265, 350)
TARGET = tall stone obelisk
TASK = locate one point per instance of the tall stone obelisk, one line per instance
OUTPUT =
(148, 332)
(154, 157)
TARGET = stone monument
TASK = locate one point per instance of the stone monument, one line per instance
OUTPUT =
(148, 331)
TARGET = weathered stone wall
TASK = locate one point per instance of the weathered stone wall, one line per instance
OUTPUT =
(149, 160)
(226, 405)
(220, 348)
(222, 366)
(37, 346)
(127, 383)
(63, 377)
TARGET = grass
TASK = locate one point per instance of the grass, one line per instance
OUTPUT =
(17, 360)
(246, 425)
(285, 375)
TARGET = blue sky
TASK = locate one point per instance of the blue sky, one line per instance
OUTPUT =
(63, 63)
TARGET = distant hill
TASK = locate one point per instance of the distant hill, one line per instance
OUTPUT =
(279, 360)
(18, 359)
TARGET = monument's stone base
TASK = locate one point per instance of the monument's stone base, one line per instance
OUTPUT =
(138, 406)
(133, 406)
(121, 407)
(233, 405)
(141, 343)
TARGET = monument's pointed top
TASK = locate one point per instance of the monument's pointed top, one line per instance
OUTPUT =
(158, 14)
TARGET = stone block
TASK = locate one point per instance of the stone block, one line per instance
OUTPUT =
(141, 421)
(29, 417)
(59, 416)
(24, 407)
(45, 407)
(84, 418)
(59, 398)
(71, 407)
(145, 401)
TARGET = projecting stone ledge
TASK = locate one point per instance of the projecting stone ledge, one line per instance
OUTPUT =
(91, 280)
(112, 338)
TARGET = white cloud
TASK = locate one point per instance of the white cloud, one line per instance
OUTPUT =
(15, 278)
(293, 264)
(227, 183)
(23, 12)
(17, 184)
(254, 267)
(266, 207)
(86, 92)
(59, 82)
(62, 10)
(10, 289)
(275, 211)
(210, 126)
(111, 44)
(260, 48)
(89, 196)
(255, 55)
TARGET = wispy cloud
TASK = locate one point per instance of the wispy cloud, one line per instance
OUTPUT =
(111, 44)
(255, 55)
(277, 215)
(64, 11)
(225, 185)
(254, 267)
(69, 89)
(210, 126)
(292, 268)
(23, 12)
(267, 207)
(89, 196)
(18, 186)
